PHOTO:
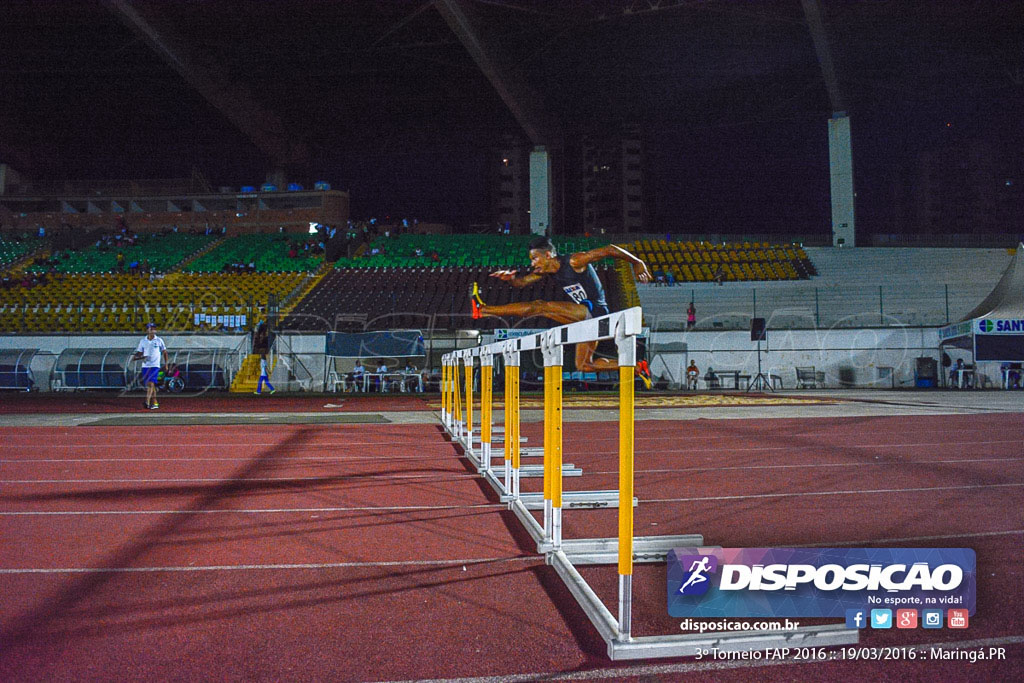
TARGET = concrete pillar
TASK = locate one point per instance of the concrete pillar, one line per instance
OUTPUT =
(540, 191)
(840, 158)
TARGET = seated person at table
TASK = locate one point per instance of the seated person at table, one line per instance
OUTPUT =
(356, 376)
(692, 375)
(1013, 375)
(711, 379)
(954, 373)
(382, 369)
(410, 381)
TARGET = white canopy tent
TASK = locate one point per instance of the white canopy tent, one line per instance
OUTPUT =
(994, 330)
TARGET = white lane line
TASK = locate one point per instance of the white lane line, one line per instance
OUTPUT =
(719, 450)
(802, 466)
(264, 567)
(213, 444)
(293, 458)
(828, 493)
(253, 511)
(908, 539)
(446, 451)
(185, 445)
(229, 480)
(642, 670)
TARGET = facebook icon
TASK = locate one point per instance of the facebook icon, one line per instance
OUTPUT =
(856, 618)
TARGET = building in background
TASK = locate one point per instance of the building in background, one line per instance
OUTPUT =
(612, 184)
(966, 187)
(508, 167)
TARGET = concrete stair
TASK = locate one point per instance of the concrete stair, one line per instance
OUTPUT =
(248, 376)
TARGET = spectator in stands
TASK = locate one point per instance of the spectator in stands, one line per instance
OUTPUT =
(717, 275)
(574, 275)
(153, 353)
(691, 316)
(120, 262)
(692, 375)
(670, 279)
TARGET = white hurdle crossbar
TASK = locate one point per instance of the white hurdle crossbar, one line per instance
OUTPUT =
(565, 554)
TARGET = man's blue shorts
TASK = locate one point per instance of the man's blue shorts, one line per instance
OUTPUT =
(149, 375)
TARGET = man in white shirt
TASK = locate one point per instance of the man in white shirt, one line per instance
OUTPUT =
(153, 353)
(356, 376)
(382, 369)
(411, 379)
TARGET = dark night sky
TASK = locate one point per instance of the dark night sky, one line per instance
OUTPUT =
(729, 96)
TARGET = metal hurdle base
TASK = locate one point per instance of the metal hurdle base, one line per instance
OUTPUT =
(535, 471)
(686, 645)
(572, 500)
(584, 551)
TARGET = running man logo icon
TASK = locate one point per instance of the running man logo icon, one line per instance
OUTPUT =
(698, 567)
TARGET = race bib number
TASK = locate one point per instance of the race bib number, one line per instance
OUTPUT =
(576, 292)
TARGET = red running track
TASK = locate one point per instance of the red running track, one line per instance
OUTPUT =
(349, 552)
(208, 402)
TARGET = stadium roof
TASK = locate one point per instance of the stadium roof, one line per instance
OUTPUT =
(88, 93)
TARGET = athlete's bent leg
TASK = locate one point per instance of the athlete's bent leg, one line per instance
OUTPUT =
(585, 361)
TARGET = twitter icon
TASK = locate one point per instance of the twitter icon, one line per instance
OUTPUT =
(881, 618)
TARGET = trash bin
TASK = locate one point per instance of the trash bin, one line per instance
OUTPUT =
(926, 373)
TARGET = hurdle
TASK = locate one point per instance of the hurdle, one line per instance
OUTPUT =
(564, 555)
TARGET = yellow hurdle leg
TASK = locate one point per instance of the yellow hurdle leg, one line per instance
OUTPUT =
(456, 399)
(626, 471)
(469, 407)
(444, 392)
(514, 438)
(556, 436)
(485, 415)
(548, 394)
(508, 418)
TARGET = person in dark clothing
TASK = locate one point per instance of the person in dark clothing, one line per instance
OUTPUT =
(576, 276)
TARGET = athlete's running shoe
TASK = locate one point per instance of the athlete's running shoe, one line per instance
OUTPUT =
(154, 405)
(643, 371)
(475, 301)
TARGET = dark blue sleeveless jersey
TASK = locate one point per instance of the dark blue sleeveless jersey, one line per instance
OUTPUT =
(581, 288)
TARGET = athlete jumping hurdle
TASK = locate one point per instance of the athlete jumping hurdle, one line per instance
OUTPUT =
(576, 276)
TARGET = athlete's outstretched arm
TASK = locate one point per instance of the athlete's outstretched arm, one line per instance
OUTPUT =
(511, 277)
(580, 260)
